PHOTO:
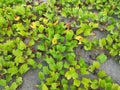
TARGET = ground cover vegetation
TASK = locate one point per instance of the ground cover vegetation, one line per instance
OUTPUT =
(43, 35)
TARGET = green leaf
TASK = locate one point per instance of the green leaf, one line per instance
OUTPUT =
(102, 58)
(31, 42)
(31, 62)
(110, 27)
(102, 83)
(19, 80)
(101, 74)
(49, 60)
(71, 45)
(76, 83)
(95, 25)
(66, 65)
(21, 45)
(24, 68)
(2, 21)
(70, 57)
(94, 84)
(41, 47)
(59, 56)
(79, 31)
(61, 47)
(59, 65)
(102, 42)
(109, 39)
(85, 81)
(13, 86)
(41, 28)
(46, 70)
(84, 71)
(44, 87)
(108, 86)
(71, 74)
(54, 86)
(62, 72)
(13, 70)
(82, 63)
(88, 46)
(17, 53)
(0, 66)
(8, 77)
(72, 87)
(69, 35)
(28, 52)
(52, 66)
(19, 59)
(56, 76)
(64, 81)
(108, 79)
(49, 16)
(41, 76)
(74, 75)
(65, 86)
(20, 10)
(55, 54)
(87, 31)
(68, 75)
(38, 54)
(96, 64)
(115, 86)
(39, 65)
(3, 82)
(23, 33)
(63, 14)
(113, 52)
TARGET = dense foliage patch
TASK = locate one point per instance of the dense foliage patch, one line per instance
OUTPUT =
(44, 35)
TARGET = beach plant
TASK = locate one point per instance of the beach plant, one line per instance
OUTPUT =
(44, 36)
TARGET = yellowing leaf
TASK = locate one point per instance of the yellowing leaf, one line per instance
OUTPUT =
(17, 18)
(66, 31)
(79, 38)
(45, 20)
(55, 23)
(33, 25)
(54, 41)
(44, 87)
